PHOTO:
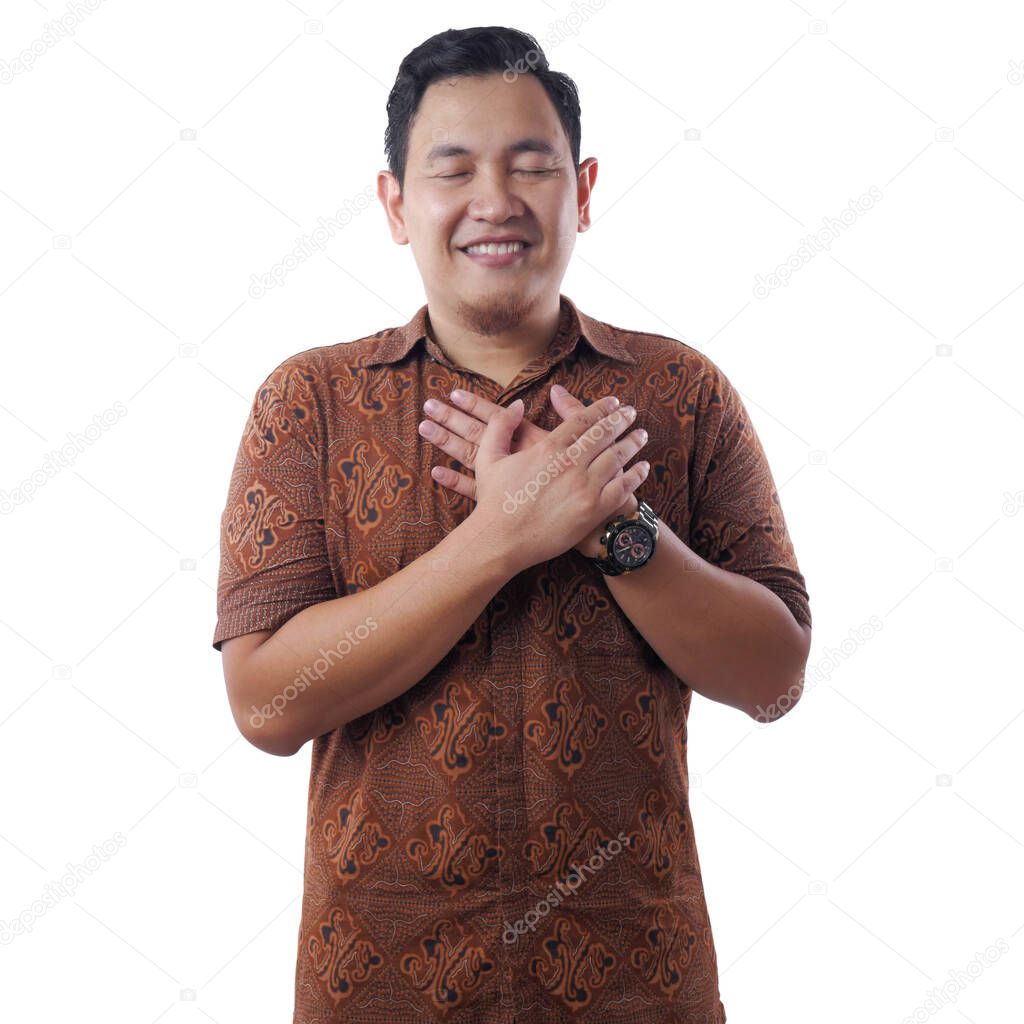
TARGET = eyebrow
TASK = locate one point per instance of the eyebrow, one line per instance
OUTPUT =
(531, 144)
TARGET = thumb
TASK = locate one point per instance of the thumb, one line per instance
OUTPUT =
(497, 437)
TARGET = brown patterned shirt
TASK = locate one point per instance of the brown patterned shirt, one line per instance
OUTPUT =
(510, 839)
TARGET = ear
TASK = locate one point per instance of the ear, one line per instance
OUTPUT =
(392, 200)
(584, 187)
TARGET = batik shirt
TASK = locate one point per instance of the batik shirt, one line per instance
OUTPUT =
(510, 839)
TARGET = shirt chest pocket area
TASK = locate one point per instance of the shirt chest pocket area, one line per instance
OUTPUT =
(382, 514)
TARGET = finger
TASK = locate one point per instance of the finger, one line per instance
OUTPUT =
(453, 432)
(474, 405)
(454, 481)
(594, 427)
(497, 440)
(619, 488)
(481, 409)
(615, 457)
(563, 402)
(581, 420)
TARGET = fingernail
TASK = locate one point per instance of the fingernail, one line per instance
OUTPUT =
(458, 395)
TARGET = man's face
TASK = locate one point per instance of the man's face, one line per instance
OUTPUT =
(452, 199)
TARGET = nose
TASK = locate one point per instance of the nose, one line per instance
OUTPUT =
(493, 198)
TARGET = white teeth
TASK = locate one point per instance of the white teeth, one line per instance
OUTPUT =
(495, 248)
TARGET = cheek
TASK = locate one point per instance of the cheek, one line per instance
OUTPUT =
(565, 215)
(432, 226)
(437, 215)
(567, 234)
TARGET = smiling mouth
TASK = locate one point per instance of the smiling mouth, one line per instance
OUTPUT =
(522, 246)
(498, 260)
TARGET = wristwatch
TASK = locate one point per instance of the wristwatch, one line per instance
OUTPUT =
(629, 541)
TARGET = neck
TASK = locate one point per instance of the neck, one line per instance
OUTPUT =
(497, 341)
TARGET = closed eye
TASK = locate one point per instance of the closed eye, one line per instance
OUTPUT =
(520, 170)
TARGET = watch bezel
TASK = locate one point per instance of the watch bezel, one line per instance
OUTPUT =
(631, 526)
(643, 518)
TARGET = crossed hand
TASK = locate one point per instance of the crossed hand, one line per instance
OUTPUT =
(458, 431)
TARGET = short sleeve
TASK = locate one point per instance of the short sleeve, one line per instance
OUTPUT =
(273, 546)
(736, 519)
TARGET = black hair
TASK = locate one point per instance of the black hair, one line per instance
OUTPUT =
(473, 52)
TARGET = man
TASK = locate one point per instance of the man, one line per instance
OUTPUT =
(497, 681)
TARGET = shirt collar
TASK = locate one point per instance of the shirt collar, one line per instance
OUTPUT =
(396, 342)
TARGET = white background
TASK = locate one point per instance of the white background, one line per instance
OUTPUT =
(856, 853)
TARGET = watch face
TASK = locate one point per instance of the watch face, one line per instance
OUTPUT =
(632, 546)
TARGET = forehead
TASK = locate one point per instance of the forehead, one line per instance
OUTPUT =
(480, 113)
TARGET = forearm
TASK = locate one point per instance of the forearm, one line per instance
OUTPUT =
(340, 659)
(723, 634)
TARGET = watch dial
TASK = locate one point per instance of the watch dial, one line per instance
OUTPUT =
(632, 546)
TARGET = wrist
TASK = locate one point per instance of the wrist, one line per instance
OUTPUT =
(591, 546)
(488, 539)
